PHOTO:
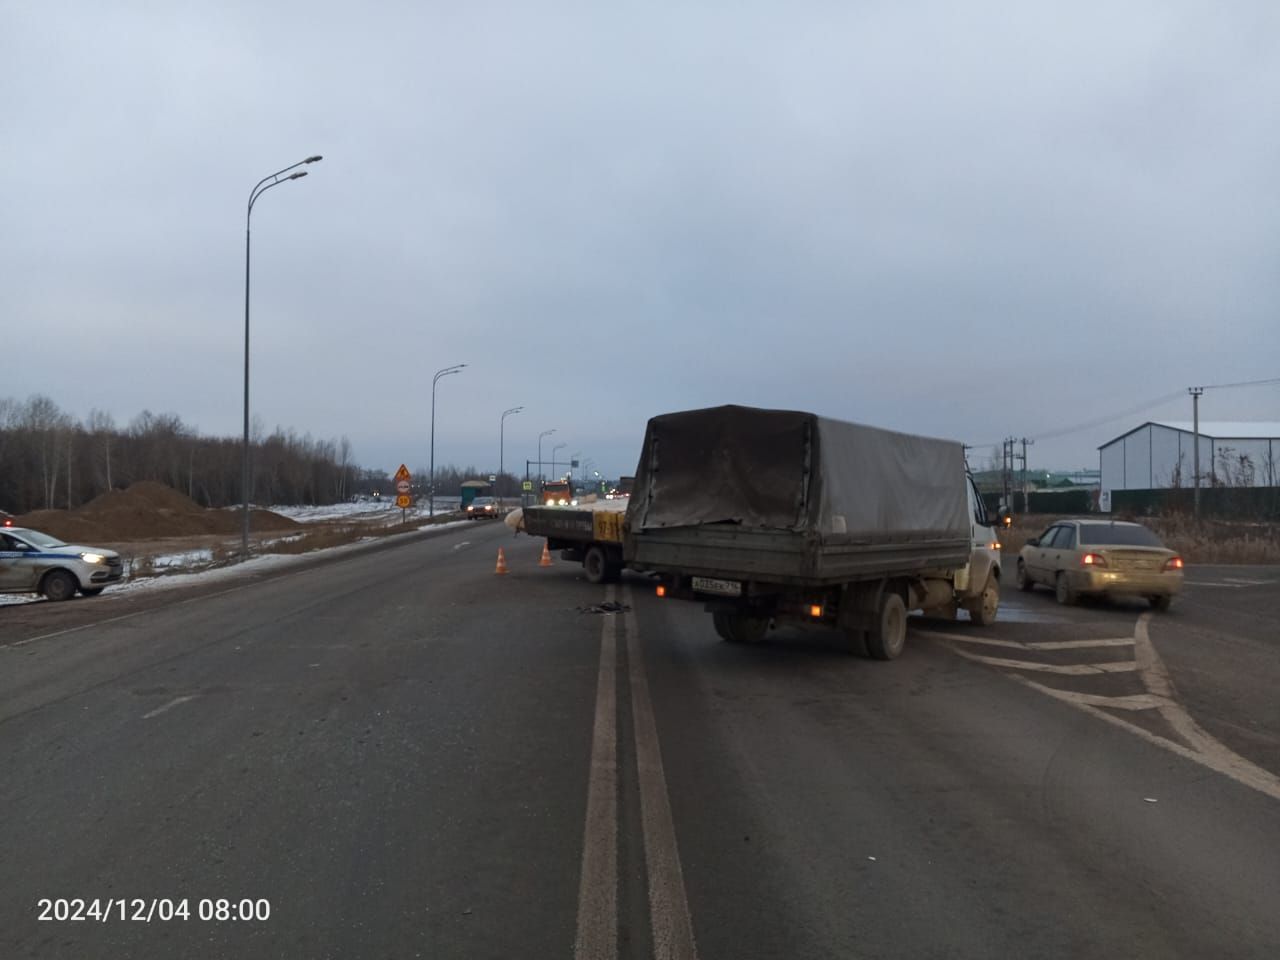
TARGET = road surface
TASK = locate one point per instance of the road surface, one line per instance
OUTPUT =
(402, 754)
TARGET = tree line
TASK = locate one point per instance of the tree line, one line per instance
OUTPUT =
(49, 459)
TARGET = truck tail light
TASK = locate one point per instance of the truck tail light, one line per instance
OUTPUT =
(660, 590)
(1173, 563)
(815, 611)
(1093, 560)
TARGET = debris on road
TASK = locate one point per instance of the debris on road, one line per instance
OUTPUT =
(609, 606)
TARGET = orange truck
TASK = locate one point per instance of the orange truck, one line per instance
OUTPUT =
(558, 493)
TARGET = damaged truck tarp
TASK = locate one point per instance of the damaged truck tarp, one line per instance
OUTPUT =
(839, 486)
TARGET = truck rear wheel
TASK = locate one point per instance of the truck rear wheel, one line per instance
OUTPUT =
(596, 565)
(740, 627)
(888, 635)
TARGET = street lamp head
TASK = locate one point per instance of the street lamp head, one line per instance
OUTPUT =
(313, 159)
(295, 176)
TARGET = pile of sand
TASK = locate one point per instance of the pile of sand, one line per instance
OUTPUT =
(144, 511)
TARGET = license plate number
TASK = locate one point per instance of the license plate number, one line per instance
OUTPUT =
(724, 588)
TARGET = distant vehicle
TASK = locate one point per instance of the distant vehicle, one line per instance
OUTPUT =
(623, 490)
(6, 519)
(34, 562)
(558, 493)
(1101, 558)
(482, 507)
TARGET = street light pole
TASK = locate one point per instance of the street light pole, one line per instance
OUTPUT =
(431, 486)
(558, 446)
(544, 433)
(259, 188)
(501, 438)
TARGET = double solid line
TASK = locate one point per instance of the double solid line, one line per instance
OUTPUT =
(672, 927)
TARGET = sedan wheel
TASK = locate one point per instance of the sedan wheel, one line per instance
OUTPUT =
(59, 585)
(1062, 590)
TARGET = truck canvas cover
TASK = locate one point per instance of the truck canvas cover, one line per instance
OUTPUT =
(785, 470)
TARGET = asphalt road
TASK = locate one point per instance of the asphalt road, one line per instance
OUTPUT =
(406, 755)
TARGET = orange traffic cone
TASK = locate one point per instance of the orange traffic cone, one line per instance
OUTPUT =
(502, 563)
(546, 555)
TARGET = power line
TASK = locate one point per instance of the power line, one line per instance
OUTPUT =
(1102, 421)
(1242, 383)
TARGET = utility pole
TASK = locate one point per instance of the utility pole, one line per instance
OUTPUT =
(1026, 494)
(1006, 471)
(1195, 428)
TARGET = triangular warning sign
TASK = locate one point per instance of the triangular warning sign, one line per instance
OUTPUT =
(403, 473)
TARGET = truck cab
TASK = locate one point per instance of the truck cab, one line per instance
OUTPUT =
(557, 493)
(978, 584)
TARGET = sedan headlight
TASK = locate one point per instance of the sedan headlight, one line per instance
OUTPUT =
(93, 558)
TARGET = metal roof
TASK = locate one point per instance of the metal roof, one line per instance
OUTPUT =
(1212, 430)
(1228, 429)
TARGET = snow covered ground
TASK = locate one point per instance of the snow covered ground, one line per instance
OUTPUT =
(364, 510)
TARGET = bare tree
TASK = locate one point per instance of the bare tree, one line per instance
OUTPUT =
(103, 427)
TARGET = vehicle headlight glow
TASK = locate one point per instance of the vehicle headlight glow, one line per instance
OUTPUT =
(93, 558)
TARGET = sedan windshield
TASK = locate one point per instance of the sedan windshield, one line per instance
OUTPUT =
(43, 540)
(1117, 534)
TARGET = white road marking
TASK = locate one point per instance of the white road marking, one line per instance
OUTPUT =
(168, 706)
(464, 543)
(1069, 669)
(1230, 583)
(1137, 701)
(598, 888)
(1161, 695)
(668, 901)
(1047, 645)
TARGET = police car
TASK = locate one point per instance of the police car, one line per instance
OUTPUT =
(34, 562)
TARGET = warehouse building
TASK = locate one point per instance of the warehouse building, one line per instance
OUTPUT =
(1160, 455)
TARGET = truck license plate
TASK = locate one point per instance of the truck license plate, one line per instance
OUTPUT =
(725, 588)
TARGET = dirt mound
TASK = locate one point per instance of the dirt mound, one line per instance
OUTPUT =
(60, 524)
(144, 511)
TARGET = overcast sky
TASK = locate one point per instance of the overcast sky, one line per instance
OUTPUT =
(966, 220)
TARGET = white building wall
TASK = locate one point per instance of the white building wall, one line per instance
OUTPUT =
(1151, 456)
(1112, 467)
(1169, 458)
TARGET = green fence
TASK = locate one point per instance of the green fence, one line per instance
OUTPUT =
(1223, 503)
(1044, 501)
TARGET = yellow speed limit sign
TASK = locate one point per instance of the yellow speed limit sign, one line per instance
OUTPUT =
(404, 501)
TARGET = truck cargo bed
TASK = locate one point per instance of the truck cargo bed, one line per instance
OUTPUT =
(788, 557)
